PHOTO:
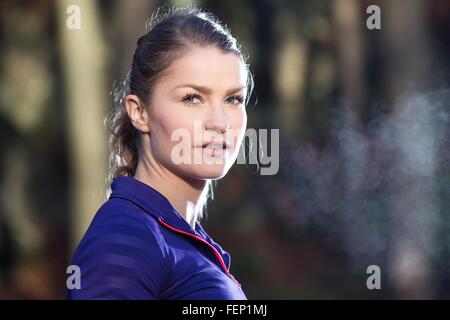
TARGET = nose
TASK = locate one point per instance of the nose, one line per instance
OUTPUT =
(217, 120)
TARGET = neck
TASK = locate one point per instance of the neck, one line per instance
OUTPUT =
(187, 196)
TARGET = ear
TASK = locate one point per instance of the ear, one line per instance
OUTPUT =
(137, 113)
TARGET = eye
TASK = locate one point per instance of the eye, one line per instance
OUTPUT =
(190, 98)
(235, 99)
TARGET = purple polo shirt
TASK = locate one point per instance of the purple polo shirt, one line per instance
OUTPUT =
(139, 247)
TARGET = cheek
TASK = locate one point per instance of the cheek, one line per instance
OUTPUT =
(168, 125)
(238, 123)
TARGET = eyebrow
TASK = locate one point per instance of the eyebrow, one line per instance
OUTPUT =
(207, 90)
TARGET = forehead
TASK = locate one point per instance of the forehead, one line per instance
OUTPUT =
(209, 67)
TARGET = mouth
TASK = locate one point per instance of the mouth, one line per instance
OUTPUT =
(215, 148)
(217, 145)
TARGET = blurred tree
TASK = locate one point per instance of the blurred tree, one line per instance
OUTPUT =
(290, 72)
(128, 21)
(83, 57)
(348, 19)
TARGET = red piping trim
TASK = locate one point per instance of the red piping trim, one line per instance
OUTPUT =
(217, 254)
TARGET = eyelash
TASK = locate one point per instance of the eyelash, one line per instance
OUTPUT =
(239, 98)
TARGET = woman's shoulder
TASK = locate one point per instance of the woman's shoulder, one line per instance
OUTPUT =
(124, 209)
(120, 251)
(119, 223)
(123, 212)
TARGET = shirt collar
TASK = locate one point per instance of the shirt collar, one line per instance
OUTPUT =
(150, 200)
(157, 205)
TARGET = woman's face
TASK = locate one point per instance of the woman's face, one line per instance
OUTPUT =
(199, 100)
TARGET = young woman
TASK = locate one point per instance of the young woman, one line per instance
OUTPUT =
(178, 126)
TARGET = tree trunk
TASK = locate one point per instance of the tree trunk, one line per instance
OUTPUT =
(83, 56)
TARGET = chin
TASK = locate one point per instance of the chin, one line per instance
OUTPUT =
(209, 171)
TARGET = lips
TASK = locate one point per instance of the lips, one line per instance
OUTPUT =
(216, 149)
(223, 145)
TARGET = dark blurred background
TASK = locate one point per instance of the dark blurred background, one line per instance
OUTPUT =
(364, 146)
